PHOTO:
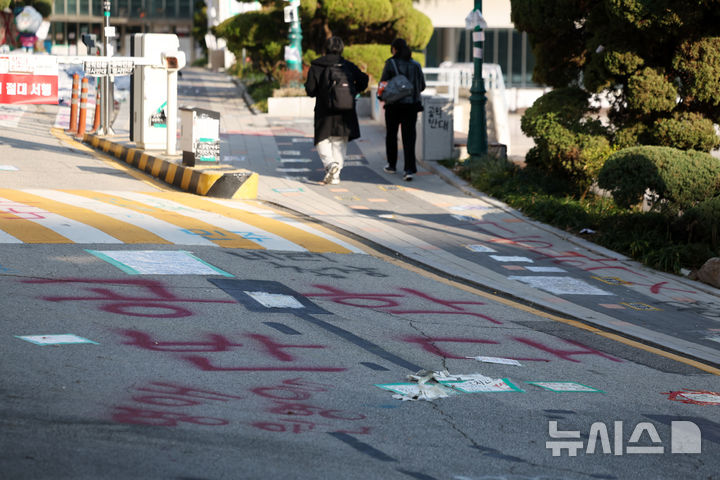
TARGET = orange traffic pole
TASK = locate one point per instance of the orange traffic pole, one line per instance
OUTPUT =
(83, 108)
(96, 117)
(72, 128)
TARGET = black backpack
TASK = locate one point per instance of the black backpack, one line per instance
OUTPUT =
(340, 91)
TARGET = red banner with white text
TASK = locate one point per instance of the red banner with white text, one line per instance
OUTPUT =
(28, 79)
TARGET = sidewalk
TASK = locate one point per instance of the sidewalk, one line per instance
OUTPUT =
(441, 223)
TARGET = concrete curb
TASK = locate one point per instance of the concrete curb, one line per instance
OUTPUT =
(211, 182)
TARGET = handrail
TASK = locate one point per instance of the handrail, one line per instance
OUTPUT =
(460, 75)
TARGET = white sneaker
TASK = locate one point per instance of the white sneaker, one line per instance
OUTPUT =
(332, 174)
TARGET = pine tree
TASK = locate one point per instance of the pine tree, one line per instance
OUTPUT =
(370, 23)
(658, 59)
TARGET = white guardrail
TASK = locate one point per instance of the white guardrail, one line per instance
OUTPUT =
(455, 76)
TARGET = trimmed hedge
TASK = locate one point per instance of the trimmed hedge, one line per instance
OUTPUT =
(682, 178)
(567, 142)
(370, 58)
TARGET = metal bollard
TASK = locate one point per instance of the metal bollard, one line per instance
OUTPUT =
(82, 119)
(72, 128)
(96, 118)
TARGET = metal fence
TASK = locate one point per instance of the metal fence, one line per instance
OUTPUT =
(457, 76)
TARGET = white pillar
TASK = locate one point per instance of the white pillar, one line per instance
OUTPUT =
(171, 106)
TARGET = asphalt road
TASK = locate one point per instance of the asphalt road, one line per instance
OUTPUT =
(190, 358)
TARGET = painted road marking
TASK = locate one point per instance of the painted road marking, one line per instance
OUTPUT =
(84, 216)
(560, 285)
(158, 262)
(62, 339)
(103, 216)
(274, 300)
(331, 242)
(190, 205)
(261, 225)
(61, 219)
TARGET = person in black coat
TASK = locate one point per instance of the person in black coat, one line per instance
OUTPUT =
(404, 112)
(333, 129)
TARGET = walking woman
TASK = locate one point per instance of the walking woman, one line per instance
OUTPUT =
(334, 82)
(403, 113)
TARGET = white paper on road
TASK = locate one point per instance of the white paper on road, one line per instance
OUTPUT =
(275, 300)
(8, 168)
(501, 258)
(440, 384)
(560, 285)
(546, 269)
(62, 339)
(414, 391)
(566, 387)
(502, 361)
(158, 262)
(481, 249)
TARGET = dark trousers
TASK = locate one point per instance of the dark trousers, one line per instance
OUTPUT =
(403, 115)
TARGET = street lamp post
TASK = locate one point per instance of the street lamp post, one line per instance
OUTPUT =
(293, 54)
(477, 144)
(107, 100)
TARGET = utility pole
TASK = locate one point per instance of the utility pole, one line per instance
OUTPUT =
(477, 144)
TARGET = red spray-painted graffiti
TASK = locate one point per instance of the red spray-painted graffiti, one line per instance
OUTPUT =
(393, 302)
(430, 344)
(171, 396)
(214, 343)
(153, 301)
(288, 401)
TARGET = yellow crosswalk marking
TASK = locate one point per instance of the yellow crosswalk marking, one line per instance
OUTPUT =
(123, 231)
(213, 233)
(28, 231)
(312, 243)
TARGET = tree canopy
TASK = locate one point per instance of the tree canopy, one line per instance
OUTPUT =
(658, 59)
(264, 33)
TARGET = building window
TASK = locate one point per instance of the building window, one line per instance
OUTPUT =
(59, 7)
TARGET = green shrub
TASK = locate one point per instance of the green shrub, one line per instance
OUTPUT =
(682, 178)
(370, 58)
(697, 60)
(649, 91)
(686, 130)
(703, 222)
(567, 142)
(357, 13)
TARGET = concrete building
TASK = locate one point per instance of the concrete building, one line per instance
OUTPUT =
(504, 45)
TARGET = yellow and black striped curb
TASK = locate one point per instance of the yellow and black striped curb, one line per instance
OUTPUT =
(235, 183)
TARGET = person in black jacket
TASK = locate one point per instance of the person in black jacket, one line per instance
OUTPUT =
(333, 129)
(404, 112)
